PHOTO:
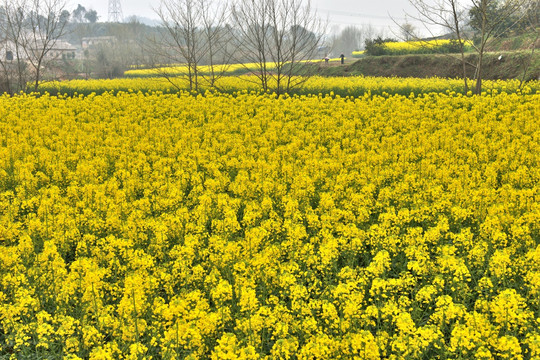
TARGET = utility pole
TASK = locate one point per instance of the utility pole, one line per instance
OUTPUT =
(115, 11)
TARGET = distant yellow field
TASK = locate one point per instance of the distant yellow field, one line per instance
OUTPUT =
(412, 47)
(205, 69)
(183, 69)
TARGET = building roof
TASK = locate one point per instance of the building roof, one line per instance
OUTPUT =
(63, 45)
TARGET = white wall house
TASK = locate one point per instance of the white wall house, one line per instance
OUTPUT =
(61, 50)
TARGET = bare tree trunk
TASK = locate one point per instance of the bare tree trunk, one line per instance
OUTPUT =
(457, 28)
(482, 8)
(38, 76)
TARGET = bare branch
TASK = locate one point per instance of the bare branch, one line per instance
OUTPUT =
(279, 36)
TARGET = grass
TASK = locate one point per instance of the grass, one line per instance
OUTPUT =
(511, 66)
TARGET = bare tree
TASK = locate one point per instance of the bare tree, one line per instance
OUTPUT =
(252, 33)
(487, 18)
(195, 35)
(280, 37)
(217, 39)
(31, 29)
(448, 14)
(13, 60)
(408, 31)
(180, 18)
(46, 21)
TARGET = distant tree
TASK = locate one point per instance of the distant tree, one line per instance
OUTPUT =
(529, 17)
(353, 38)
(78, 14)
(408, 31)
(348, 40)
(91, 16)
(82, 15)
(65, 16)
(497, 15)
(107, 61)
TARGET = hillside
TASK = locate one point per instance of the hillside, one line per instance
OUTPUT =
(498, 65)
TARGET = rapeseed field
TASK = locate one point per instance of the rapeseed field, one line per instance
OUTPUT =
(440, 46)
(355, 86)
(177, 226)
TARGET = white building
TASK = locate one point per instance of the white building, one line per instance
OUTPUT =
(60, 50)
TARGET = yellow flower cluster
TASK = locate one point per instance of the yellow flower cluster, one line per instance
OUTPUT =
(415, 47)
(173, 226)
(343, 86)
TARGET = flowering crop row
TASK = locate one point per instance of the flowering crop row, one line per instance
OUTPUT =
(344, 86)
(143, 226)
